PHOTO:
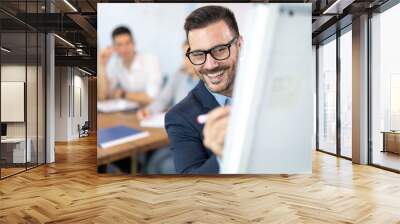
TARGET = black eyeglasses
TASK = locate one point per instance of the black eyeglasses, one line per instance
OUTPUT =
(220, 52)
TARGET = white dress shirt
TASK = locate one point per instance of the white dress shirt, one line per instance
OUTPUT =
(143, 75)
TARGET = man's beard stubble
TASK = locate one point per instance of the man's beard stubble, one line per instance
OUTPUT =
(228, 90)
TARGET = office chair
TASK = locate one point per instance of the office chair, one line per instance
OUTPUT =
(84, 130)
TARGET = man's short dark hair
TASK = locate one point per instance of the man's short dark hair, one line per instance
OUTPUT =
(120, 31)
(207, 15)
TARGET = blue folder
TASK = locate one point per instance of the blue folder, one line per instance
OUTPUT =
(108, 137)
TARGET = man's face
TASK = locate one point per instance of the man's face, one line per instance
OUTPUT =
(124, 46)
(186, 65)
(217, 75)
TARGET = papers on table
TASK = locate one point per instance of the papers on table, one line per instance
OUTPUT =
(155, 121)
(116, 105)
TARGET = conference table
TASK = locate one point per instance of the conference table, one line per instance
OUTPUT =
(157, 138)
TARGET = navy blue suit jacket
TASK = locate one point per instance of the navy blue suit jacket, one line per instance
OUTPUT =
(186, 134)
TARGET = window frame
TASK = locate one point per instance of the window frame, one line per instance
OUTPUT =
(334, 37)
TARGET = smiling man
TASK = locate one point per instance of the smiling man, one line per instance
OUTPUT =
(214, 45)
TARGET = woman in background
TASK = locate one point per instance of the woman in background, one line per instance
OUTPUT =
(176, 88)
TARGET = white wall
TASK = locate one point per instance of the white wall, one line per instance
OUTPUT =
(17, 73)
(69, 82)
(80, 100)
(157, 28)
(61, 103)
(14, 73)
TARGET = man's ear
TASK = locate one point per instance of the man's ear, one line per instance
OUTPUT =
(240, 41)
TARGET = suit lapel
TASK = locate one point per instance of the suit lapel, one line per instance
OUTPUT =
(205, 97)
(207, 102)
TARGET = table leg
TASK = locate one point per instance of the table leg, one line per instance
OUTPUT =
(384, 143)
(134, 164)
(102, 169)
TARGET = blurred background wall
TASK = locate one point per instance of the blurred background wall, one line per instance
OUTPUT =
(157, 28)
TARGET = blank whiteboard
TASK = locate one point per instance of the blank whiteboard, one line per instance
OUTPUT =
(271, 122)
(12, 101)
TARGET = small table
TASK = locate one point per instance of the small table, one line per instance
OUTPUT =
(391, 141)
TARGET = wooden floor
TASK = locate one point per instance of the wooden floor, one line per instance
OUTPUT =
(387, 159)
(10, 171)
(5, 172)
(70, 191)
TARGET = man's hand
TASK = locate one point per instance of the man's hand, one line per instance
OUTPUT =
(118, 93)
(105, 55)
(103, 84)
(140, 97)
(143, 113)
(215, 129)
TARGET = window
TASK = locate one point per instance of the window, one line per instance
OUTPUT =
(346, 94)
(385, 89)
(395, 101)
(327, 96)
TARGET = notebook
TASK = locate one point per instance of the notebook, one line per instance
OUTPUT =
(108, 137)
(116, 105)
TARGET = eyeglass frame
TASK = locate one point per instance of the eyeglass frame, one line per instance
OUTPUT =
(229, 44)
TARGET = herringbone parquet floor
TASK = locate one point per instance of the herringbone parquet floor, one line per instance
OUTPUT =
(70, 191)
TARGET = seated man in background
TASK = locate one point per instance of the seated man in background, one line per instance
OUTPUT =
(132, 76)
(176, 88)
(215, 43)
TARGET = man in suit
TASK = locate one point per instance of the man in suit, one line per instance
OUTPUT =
(214, 45)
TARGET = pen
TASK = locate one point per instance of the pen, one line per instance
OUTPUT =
(201, 119)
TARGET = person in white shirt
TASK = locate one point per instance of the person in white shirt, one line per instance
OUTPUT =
(132, 76)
